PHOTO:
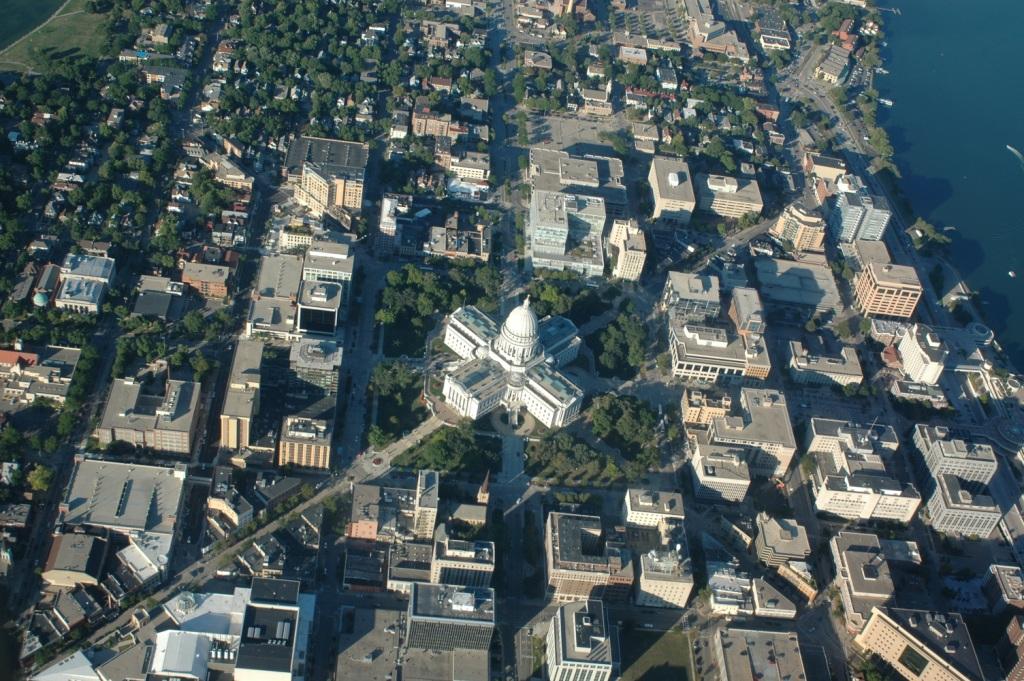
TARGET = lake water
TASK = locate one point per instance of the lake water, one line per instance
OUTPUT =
(957, 81)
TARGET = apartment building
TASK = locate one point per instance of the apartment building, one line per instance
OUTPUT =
(921, 645)
(330, 172)
(210, 281)
(729, 197)
(829, 168)
(583, 562)
(673, 190)
(305, 442)
(428, 490)
(801, 226)
(859, 215)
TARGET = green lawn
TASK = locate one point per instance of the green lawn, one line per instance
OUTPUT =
(655, 656)
(21, 16)
(74, 31)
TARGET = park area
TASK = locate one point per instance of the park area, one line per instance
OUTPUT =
(655, 656)
(75, 30)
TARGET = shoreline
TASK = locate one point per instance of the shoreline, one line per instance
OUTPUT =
(904, 207)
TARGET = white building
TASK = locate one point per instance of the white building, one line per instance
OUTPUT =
(923, 353)
(720, 473)
(645, 508)
(514, 368)
(580, 645)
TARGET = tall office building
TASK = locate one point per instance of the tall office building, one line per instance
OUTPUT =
(923, 354)
(445, 617)
(580, 644)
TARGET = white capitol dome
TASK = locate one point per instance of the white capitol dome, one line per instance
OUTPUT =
(518, 342)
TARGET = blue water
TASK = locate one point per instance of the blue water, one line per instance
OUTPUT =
(957, 80)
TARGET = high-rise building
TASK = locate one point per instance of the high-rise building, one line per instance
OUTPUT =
(882, 288)
(923, 354)
(730, 197)
(461, 562)
(863, 576)
(628, 249)
(801, 226)
(428, 484)
(780, 540)
(305, 442)
(566, 231)
(646, 508)
(581, 645)
(444, 617)
(859, 215)
(762, 427)
(583, 562)
(672, 186)
(331, 172)
(242, 397)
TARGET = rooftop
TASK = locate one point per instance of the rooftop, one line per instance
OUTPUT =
(445, 602)
(765, 420)
(123, 495)
(784, 535)
(673, 179)
(945, 634)
(751, 655)
(795, 282)
(586, 634)
(331, 157)
(128, 407)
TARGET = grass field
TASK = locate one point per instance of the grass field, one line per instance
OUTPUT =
(21, 16)
(655, 656)
(73, 31)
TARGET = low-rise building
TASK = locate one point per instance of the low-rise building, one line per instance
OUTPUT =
(75, 559)
(827, 168)
(646, 508)
(691, 297)
(586, 175)
(806, 284)
(444, 617)
(810, 366)
(919, 644)
(29, 374)
(746, 654)
(711, 352)
(835, 65)
(699, 408)
(460, 562)
(210, 281)
(165, 421)
(780, 540)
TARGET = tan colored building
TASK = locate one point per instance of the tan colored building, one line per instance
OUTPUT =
(803, 227)
(672, 186)
(430, 123)
(700, 409)
(242, 399)
(882, 288)
(730, 197)
(780, 540)
(331, 172)
(827, 168)
(427, 498)
(75, 559)
(630, 249)
(305, 443)
(211, 281)
(920, 645)
(582, 563)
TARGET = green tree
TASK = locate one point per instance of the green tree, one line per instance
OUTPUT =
(40, 478)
